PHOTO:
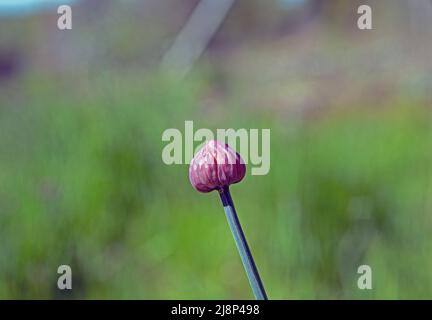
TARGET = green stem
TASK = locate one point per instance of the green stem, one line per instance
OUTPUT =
(242, 246)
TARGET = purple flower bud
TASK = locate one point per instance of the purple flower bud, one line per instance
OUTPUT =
(216, 166)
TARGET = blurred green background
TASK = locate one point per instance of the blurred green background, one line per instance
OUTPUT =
(82, 181)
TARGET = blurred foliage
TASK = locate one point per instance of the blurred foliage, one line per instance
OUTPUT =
(82, 183)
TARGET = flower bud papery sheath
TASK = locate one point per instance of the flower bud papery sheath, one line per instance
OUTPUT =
(216, 166)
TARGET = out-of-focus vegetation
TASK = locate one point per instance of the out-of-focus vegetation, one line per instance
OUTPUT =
(82, 181)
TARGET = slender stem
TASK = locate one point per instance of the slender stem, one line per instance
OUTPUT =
(242, 246)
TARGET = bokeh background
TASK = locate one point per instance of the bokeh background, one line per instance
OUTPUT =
(82, 181)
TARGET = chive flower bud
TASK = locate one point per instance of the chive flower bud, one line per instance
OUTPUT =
(216, 166)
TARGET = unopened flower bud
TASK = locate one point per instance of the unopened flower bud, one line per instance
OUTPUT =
(216, 166)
